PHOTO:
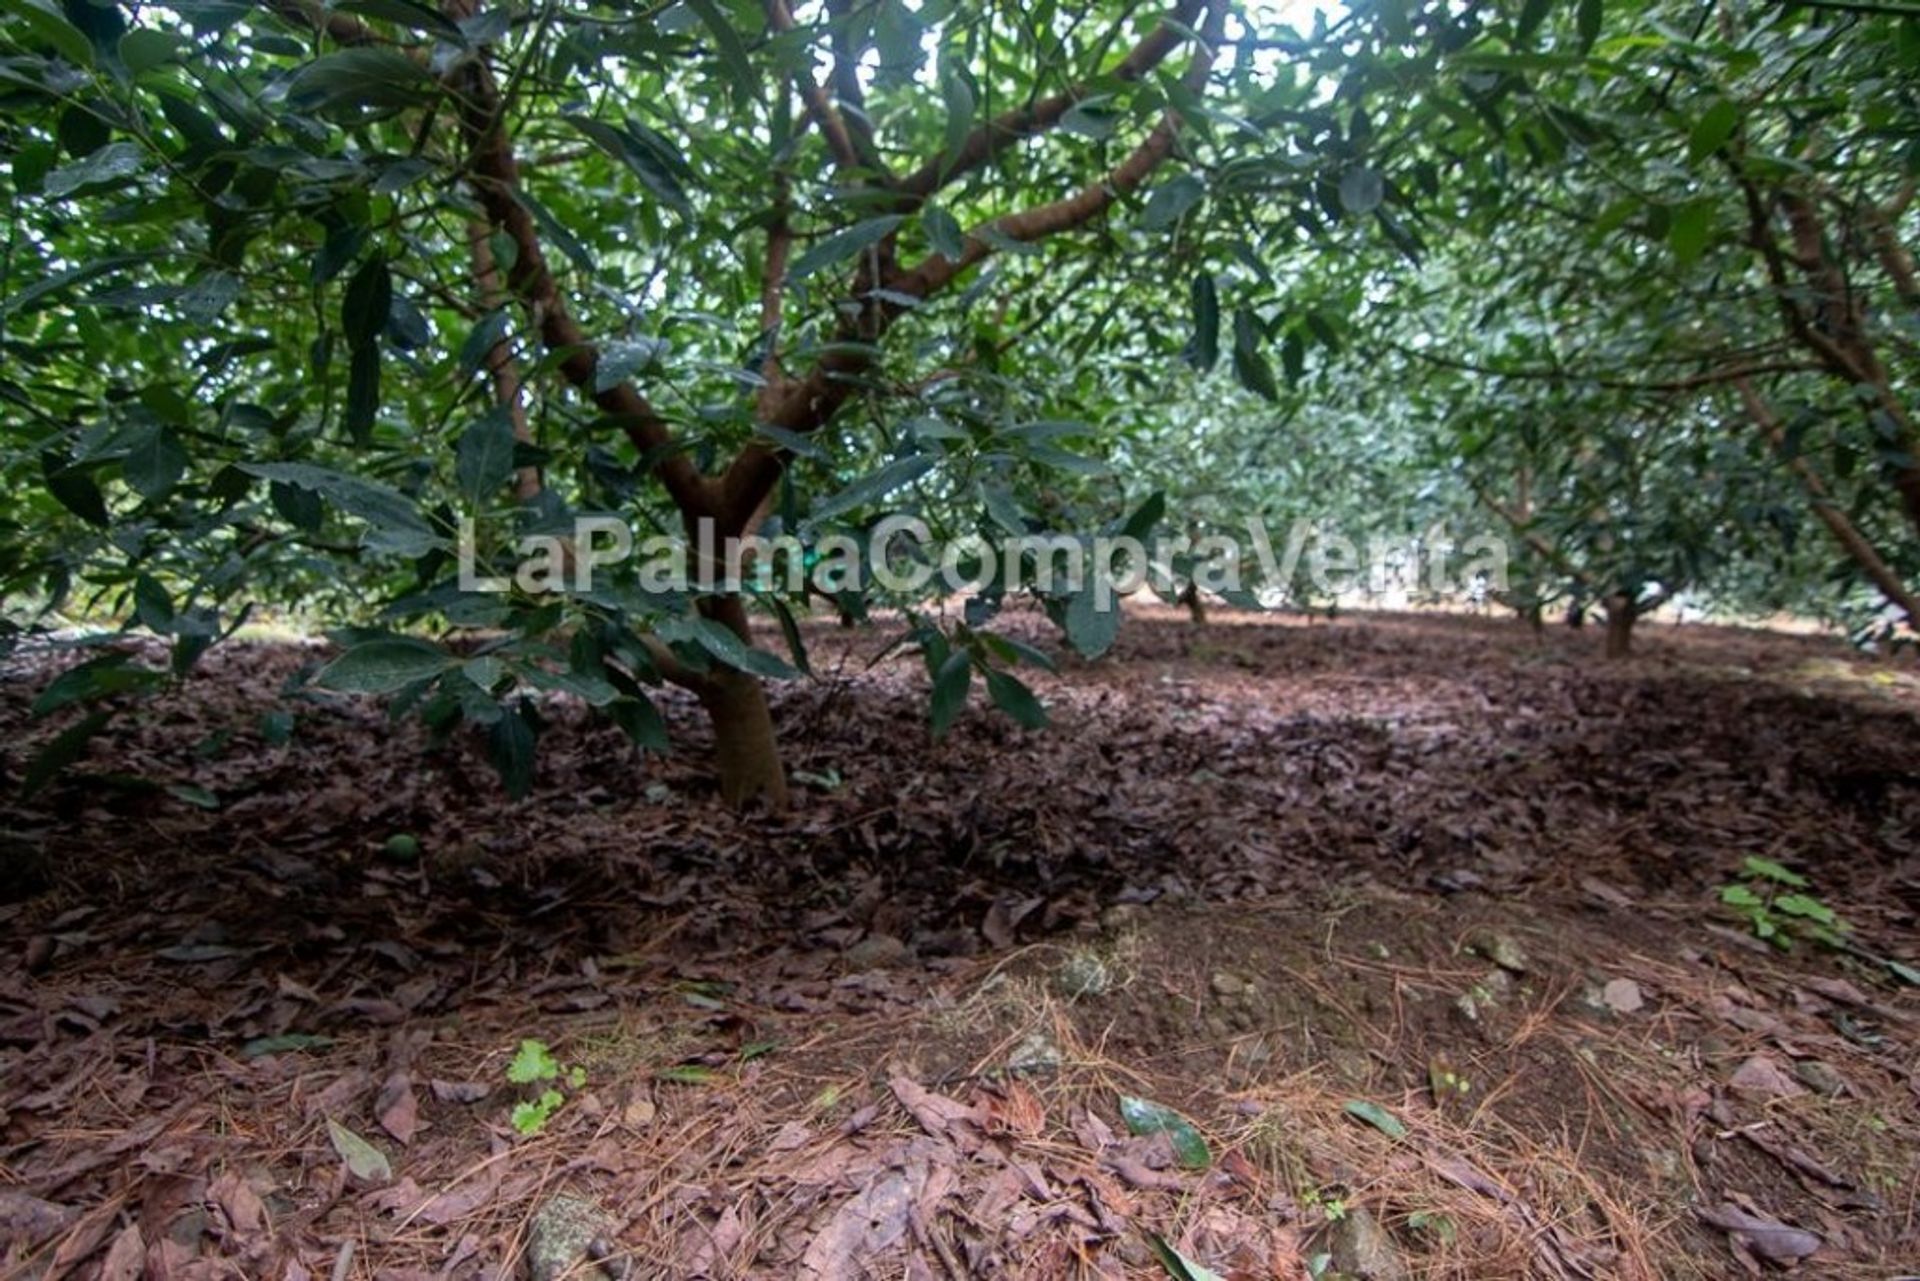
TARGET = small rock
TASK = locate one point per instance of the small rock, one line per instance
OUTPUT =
(1122, 916)
(1762, 1076)
(1502, 949)
(1228, 985)
(639, 1112)
(1036, 1053)
(560, 1235)
(1820, 1078)
(1362, 1249)
(1084, 974)
(1622, 996)
(877, 952)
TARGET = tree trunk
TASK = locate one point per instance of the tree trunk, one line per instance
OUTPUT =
(1196, 606)
(746, 753)
(1534, 617)
(745, 748)
(1621, 616)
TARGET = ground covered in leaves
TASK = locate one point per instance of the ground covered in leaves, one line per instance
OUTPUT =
(1390, 947)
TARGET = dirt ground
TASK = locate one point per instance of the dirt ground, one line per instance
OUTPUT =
(1402, 935)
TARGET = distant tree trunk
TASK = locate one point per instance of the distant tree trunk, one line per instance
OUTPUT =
(1533, 615)
(1622, 613)
(1196, 606)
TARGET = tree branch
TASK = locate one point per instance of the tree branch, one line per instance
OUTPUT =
(1003, 131)
(1851, 540)
(807, 404)
(819, 103)
(500, 364)
(495, 176)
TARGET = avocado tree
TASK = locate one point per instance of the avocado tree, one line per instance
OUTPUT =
(268, 267)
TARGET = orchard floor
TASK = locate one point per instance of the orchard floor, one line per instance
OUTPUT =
(1415, 919)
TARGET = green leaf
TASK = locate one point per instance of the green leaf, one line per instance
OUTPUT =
(874, 487)
(1146, 517)
(733, 51)
(1171, 200)
(1250, 364)
(511, 746)
(1143, 1116)
(556, 231)
(1090, 629)
(369, 77)
(645, 165)
(1690, 230)
(958, 96)
(143, 49)
(843, 245)
(1012, 696)
(43, 19)
(74, 489)
(791, 441)
(66, 747)
(1806, 907)
(111, 673)
(1712, 130)
(1377, 1117)
(1203, 347)
(950, 686)
(1177, 1265)
(407, 13)
(395, 519)
(286, 1042)
(686, 1074)
(385, 664)
(1772, 871)
(368, 302)
(156, 463)
(483, 456)
(640, 720)
(533, 1061)
(943, 232)
(1587, 20)
(1362, 189)
(1532, 14)
(364, 1161)
(487, 333)
(719, 640)
(363, 394)
(110, 163)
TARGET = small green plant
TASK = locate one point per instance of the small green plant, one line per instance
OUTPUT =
(1440, 1226)
(534, 1064)
(1772, 901)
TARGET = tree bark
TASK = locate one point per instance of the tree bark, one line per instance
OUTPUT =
(1196, 607)
(1621, 616)
(746, 750)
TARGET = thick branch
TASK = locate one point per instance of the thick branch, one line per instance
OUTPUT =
(495, 176)
(819, 102)
(1003, 131)
(807, 404)
(1851, 540)
(501, 367)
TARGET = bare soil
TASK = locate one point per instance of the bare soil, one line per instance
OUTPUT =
(1415, 920)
